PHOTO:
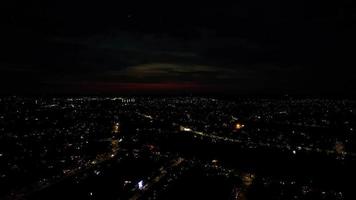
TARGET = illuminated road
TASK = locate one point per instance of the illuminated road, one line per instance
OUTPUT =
(252, 144)
(261, 144)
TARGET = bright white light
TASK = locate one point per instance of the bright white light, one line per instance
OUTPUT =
(294, 152)
(140, 185)
(185, 129)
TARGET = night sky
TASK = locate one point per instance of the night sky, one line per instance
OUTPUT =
(245, 47)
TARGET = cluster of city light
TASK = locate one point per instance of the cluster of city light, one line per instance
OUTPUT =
(116, 128)
(239, 126)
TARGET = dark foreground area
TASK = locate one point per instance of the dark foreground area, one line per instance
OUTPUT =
(177, 148)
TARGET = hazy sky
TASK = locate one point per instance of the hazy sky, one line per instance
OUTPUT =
(254, 47)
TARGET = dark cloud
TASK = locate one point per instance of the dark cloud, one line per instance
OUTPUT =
(242, 46)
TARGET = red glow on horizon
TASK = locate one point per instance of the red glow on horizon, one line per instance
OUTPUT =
(142, 87)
